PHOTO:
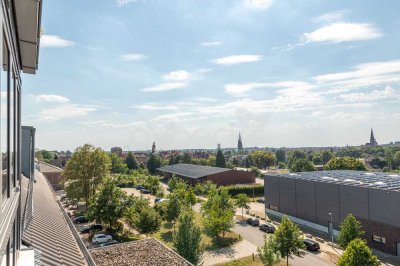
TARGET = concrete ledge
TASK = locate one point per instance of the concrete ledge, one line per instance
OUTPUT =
(320, 239)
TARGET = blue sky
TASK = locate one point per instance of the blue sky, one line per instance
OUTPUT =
(191, 74)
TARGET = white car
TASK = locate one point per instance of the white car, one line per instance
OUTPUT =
(101, 238)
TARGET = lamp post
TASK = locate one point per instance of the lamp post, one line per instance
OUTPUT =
(331, 215)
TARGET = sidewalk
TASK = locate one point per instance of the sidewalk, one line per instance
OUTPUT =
(239, 250)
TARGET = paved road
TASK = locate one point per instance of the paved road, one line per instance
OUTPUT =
(255, 236)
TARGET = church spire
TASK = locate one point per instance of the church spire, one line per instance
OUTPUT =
(372, 138)
(240, 144)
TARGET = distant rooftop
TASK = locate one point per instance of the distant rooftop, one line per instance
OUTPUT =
(192, 170)
(378, 180)
(146, 252)
(48, 168)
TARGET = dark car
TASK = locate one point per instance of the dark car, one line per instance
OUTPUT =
(85, 230)
(261, 200)
(139, 187)
(269, 228)
(253, 221)
(80, 220)
(311, 245)
(145, 191)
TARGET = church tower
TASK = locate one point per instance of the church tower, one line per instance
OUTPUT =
(240, 144)
(372, 140)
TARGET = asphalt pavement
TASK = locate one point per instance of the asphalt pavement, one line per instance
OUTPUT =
(256, 237)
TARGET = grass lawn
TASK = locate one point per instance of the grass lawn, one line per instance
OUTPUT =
(166, 231)
(248, 261)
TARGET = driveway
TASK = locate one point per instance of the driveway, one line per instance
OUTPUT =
(256, 237)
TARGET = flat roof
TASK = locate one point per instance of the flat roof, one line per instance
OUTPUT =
(48, 168)
(145, 252)
(192, 170)
(377, 180)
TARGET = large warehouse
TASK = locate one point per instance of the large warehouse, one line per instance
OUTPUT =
(314, 199)
(194, 174)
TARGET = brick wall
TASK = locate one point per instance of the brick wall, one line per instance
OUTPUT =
(232, 177)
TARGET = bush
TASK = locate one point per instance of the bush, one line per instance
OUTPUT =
(246, 189)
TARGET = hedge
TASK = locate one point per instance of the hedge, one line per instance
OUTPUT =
(233, 190)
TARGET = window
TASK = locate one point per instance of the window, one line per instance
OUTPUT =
(4, 76)
(11, 126)
(378, 239)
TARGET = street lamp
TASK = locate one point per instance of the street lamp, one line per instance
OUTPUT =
(331, 215)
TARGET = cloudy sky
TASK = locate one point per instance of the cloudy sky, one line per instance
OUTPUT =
(191, 73)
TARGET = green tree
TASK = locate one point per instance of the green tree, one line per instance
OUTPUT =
(396, 160)
(211, 161)
(148, 221)
(281, 155)
(85, 171)
(152, 183)
(350, 229)
(218, 212)
(186, 158)
(317, 158)
(263, 159)
(289, 240)
(107, 205)
(358, 253)
(174, 207)
(118, 166)
(302, 165)
(153, 163)
(187, 238)
(345, 163)
(131, 161)
(190, 197)
(220, 159)
(267, 253)
(242, 201)
(327, 156)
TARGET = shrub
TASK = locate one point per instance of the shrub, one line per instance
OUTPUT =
(246, 189)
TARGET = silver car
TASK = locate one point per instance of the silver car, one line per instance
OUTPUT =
(101, 238)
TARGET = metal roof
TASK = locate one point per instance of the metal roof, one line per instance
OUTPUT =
(48, 231)
(377, 180)
(192, 170)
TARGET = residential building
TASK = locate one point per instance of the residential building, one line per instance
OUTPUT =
(52, 173)
(117, 151)
(193, 174)
(322, 200)
(20, 22)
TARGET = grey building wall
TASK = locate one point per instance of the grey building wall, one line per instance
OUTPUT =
(271, 191)
(353, 200)
(327, 201)
(287, 196)
(305, 200)
(384, 206)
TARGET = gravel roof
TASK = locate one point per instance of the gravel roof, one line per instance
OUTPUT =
(146, 252)
(192, 170)
(377, 180)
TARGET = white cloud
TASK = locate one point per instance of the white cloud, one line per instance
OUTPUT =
(51, 98)
(154, 107)
(240, 90)
(124, 2)
(166, 87)
(208, 44)
(237, 59)
(388, 93)
(343, 32)
(258, 4)
(332, 16)
(132, 57)
(178, 75)
(54, 41)
(62, 112)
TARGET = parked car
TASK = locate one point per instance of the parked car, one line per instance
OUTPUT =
(139, 187)
(145, 191)
(311, 245)
(253, 221)
(160, 200)
(92, 227)
(85, 230)
(80, 220)
(269, 228)
(97, 227)
(101, 238)
(261, 200)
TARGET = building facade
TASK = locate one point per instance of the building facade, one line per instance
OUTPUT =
(322, 200)
(20, 22)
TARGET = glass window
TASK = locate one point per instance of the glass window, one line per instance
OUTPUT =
(3, 122)
(11, 127)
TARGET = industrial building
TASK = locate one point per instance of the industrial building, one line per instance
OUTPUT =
(193, 174)
(320, 200)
